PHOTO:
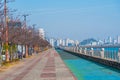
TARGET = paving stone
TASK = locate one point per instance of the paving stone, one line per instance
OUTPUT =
(45, 66)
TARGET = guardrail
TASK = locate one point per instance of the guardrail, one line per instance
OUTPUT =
(111, 55)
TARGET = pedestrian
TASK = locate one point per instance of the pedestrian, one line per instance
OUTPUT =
(19, 55)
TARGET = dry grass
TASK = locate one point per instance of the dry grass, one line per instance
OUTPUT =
(7, 65)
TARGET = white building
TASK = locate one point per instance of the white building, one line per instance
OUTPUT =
(76, 42)
(67, 41)
(94, 43)
(109, 40)
(118, 39)
(60, 42)
(52, 42)
(41, 33)
(63, 42)
(114, 41)
(100, 42)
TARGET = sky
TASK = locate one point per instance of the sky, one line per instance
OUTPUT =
(74, 19)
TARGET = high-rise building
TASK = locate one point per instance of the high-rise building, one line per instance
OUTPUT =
(60, 42)
(52, 42)
(41, 33)
(118, 39)
(63, 42)
(109, 40)
(67, 41)
(114, 41)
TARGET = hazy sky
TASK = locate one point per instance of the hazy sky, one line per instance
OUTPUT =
(75, 19)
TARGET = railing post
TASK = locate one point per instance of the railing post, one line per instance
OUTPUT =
(73, 49)
(64, 47)
(91, 51)
(70, 48)
(76, 49)
(102, 53)
(80, 50)
(85, 50)
(119, 55)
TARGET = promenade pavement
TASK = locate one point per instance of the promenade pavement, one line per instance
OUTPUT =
(44, 66)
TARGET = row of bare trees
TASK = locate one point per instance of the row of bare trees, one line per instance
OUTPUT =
(19, 34)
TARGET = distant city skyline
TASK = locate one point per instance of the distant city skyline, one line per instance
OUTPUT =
(56, 42)
(74, 19)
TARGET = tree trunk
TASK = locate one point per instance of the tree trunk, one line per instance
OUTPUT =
(26, 50)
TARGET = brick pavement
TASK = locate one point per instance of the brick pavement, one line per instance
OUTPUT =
(45, 66)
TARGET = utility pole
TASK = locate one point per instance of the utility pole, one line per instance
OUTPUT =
(6, 31)
(33, 33)
(25, 16)
(25, 27)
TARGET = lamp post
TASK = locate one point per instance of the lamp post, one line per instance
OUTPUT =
(6, 31)
(33, 33)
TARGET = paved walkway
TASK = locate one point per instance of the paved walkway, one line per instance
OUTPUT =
(45, 66)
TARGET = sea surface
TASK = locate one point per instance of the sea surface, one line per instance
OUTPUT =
(87, 70)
